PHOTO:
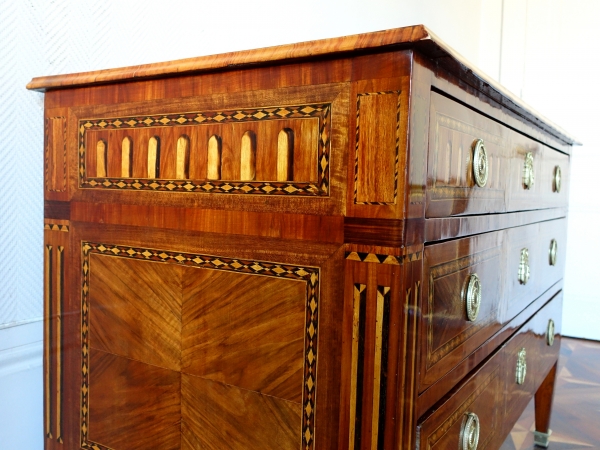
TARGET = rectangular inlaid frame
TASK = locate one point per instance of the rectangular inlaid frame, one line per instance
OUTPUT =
(310, 275)
(319, 110)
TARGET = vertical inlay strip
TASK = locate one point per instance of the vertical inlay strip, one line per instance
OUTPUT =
(48, 341)
(59, 339)
(126, 157)
(248, 157)
(101, 159)
(213, 165)
(382, 330)
(356, 378)
(154, 157)
(183, 158)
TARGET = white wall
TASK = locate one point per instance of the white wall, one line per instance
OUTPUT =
(541, 49)
(550, 56)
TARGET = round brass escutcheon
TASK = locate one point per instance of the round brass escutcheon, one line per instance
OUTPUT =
(473, 297)
(550, 333)
(557, 181)
(524, 271)
(552, 252)
(521, 366)
(528, 176)
(469, 432)
(480, 163)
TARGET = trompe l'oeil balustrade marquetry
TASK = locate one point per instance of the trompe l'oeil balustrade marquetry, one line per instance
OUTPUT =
(354, 244)
(285, 147)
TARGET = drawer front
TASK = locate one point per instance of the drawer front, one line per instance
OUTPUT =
(452, 186)
(212, 150)
(529, 269)
(481, 395)
(516, 173)
(498, 391)
(449, 335)
(535, 182)
(538, 346)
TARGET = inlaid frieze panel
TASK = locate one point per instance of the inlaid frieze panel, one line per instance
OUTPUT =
(274, 150)
(218, 341)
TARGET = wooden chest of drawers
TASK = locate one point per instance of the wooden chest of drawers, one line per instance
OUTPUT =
(355, 243)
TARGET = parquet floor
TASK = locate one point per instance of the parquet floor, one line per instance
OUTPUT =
(575, 421)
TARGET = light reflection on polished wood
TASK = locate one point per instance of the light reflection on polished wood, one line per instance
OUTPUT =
(218, 416)
(574, 422)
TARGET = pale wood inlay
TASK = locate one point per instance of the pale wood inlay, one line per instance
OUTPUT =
(153, 157)
(285, 155)
(135, 309)
(379, 325)
(101, 159)
(133, 405)
(248, 157)
(48, 341)
(59, 339)
(126, 157)
(216, 416)
(213, 171)
(244, 330)
(183, 158)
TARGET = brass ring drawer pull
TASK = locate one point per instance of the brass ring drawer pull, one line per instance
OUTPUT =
(528, 176)
(550, 333)
(473, 297)
(557, 182)
(521, 366)
(552, 252)
(469, 433)
(480, 163)
(524, 271)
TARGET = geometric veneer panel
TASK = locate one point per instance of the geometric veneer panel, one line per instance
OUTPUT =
(135, 310)
(217, 416)
(133, 405)
(197, 341)
(244, 330)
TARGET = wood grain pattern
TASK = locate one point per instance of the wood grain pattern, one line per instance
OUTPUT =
(248, 139)
(153, 157)
(183, 158)
(48, 378)
(233, 341)
(132, 405)
(436, 392)
(56, 154)
(244, 330)
(448, 335)
(285, 155)
(451, 183)
(217, 416)
(135, 310)
(101, 157)
(126, 157)
(377, 147)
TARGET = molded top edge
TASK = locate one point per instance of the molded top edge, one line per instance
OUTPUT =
(417, 36)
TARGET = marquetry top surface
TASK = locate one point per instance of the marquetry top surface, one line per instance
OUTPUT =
(417, 36)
